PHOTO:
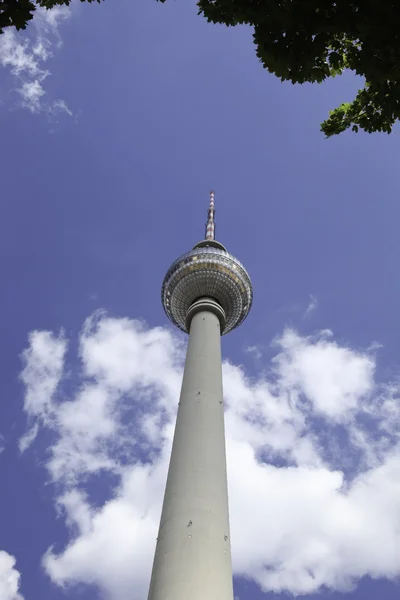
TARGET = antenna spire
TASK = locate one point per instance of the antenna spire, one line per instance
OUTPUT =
(210, 225)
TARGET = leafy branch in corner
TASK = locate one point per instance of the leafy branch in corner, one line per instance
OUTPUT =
(311, 40)
(17, 13)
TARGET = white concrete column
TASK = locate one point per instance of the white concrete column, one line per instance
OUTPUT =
(193, 555)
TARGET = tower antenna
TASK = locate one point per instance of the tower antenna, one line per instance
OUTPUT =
(210, 225)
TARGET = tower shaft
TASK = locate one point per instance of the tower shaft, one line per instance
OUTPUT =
(193, 556)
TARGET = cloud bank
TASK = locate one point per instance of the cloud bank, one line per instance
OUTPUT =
(313, 457)
(26, 54)
(9, 578)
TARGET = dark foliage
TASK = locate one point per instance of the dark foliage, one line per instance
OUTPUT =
(17, 13)
(311, 40)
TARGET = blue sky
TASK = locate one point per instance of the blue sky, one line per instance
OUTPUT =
(116, 121)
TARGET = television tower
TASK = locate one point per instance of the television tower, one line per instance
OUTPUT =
(206, 293)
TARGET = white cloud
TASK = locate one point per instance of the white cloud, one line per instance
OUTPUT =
(333, 378)
(114, 544)
(43, 360)
(312, 305)
(25, 54)
(309, 529)
(313, 459)
(50, 20)
(123, 364)
(255, 351)
(138, 356)
(9, 578)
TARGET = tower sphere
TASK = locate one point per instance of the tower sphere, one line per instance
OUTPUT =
(207, 271)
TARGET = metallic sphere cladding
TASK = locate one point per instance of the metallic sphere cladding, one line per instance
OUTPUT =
(207, 271)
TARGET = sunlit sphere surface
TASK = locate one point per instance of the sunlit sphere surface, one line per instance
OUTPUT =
(207, 271)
